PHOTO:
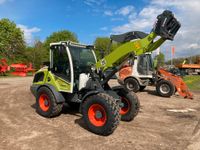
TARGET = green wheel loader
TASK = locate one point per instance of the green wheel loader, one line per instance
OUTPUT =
(74, 76)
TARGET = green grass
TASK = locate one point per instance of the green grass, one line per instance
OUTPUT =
(9, 75)
(193, 82)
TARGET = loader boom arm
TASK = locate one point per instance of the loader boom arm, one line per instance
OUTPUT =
(166, 28)
(137, 47)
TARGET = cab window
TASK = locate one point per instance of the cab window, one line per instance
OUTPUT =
(60, 62)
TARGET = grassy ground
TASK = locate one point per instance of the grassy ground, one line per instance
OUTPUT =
(193, 82)
(7, 75)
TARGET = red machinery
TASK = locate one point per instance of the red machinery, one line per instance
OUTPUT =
(19, 69)
(22, 69)
(4, 66)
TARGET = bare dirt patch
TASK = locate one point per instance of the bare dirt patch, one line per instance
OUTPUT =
(155, 127)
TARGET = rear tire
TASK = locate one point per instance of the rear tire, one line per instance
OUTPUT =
(165, 88)
(132, 84)
(46, 105)
(131, 105)
(101, 114)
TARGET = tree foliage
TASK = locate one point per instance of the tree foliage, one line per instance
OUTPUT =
(160, 59)
(36, 54)
(14, 48)
(190, 60)
(12, 42)
(102, 45)
(63, 35)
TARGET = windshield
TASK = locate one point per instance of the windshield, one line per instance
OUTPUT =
(82, 56)
(145, 64)
(149, 59)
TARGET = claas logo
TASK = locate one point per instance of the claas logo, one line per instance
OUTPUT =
(137, 45)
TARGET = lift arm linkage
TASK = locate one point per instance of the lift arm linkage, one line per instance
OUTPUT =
(137, 47)
(166, 27)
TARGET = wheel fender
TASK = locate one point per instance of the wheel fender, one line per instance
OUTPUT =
(120, 88)
(58, 96)
(160, 79)
(138, 80)
(85, 96)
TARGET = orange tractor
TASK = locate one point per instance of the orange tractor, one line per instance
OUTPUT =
(141, 74)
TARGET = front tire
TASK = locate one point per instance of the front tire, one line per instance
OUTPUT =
(165, 88)
(101, 114)
(46, 105)
(132, 84)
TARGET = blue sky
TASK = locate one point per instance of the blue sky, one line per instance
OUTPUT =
(92, 18)
(87, 18)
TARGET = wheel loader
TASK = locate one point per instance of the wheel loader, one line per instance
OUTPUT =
(74, 76)
(136, 77)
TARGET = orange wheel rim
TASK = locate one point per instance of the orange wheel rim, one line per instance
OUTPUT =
(126, 106)
(44, 102)
(97, 115)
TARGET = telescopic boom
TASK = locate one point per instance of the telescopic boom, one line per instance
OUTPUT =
(136, 43)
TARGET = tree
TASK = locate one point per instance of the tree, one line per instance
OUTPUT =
(160, 60)
(102, 45)
(63, 35)
(180, 60)
(11, 39)
(36, 54)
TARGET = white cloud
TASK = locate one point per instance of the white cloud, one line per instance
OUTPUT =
(28, 33)
(141, 21)
(194, 46)
(186, 11)
(93, 2)
(108, 13)
(3, 1)
(179, 4)
(126, 10)
(187, 39)
(104, 28)
(150, 12)
(117, 19)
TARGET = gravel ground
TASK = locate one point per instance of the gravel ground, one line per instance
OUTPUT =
(162, 123)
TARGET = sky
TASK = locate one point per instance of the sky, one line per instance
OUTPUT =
(96, 18)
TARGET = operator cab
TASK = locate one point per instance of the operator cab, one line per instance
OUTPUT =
(69, 60)
(145, 64)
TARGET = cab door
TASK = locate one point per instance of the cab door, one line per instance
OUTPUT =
(61, 67)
